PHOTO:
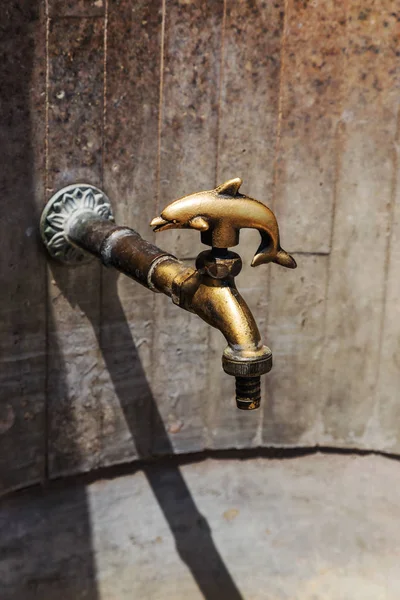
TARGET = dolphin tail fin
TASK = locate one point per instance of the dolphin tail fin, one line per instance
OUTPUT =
(266, 254)
(285, 259)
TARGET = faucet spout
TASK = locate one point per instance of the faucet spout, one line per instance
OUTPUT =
(222, 307)
(245, 357)
(211, 293)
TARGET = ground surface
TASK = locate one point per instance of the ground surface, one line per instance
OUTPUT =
(319, 527)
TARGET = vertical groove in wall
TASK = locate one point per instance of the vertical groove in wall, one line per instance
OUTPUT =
(340, 134)
(47, 18)
(160, 107)
(339, 137)
(274, 184)
(207, 435)
(103, 154)
(280, 102)
(46, 270)
(391, 212)
(339, 144)
(153, 351)
(105, 89)
(220, 84)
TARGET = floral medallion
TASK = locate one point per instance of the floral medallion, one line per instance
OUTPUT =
(64, 205)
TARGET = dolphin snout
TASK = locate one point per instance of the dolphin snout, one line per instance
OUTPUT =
(160, 224)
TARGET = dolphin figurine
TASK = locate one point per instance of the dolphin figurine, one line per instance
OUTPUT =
(219, 215)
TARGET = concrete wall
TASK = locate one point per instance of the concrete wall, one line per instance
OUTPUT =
(151, 100)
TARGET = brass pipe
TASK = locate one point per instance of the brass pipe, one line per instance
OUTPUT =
(216, 300)
(118, 247)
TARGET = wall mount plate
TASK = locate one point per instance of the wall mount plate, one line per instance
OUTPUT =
(65, 204)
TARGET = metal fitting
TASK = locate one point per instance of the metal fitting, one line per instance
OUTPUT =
(219, 267)
(250, 367)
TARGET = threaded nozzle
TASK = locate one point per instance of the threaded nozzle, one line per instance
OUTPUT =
(248, 392)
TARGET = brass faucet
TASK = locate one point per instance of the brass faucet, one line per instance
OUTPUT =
(77, 222)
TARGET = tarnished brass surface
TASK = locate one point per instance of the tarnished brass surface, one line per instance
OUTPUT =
(211, 293)
(220, 214)
(216, 301)
(209, 290)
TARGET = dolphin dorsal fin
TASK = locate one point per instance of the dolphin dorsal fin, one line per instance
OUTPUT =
(230, 187)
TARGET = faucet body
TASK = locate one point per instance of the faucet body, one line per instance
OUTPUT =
(77, 222)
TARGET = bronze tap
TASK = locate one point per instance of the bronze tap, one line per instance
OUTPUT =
(77, 222)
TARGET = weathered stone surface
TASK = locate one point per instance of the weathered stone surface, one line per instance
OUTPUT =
(188, 146)
(310, 111)
(22, 267)
(296, 334)
(364, 190)
(384, 430)
(76, 8)
(130, 179)
(246, 148)
(303, 106)
(319, 526)
(75, 154)
(76, 63)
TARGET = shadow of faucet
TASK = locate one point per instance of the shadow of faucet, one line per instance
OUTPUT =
(190, 529)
